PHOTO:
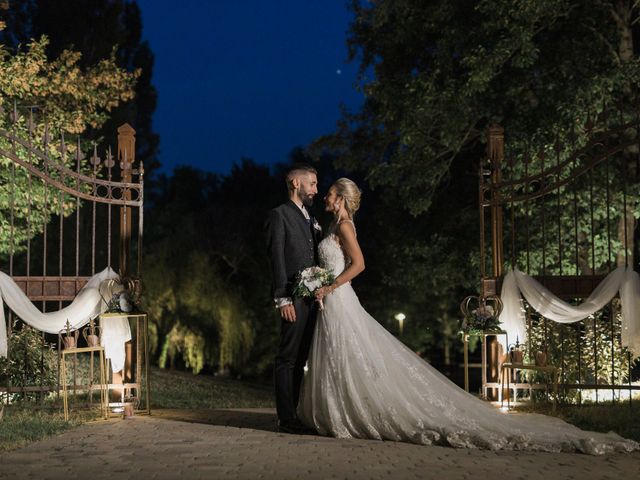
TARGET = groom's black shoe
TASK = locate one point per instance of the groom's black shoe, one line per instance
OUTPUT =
(295, 427)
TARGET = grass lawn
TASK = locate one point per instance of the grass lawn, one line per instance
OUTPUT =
(27, 422)
(170, 389)
(603, 417)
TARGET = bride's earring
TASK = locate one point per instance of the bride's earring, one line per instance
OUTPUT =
(336, 207)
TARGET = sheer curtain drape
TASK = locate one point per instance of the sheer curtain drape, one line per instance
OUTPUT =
(623, 281)
(87, 305)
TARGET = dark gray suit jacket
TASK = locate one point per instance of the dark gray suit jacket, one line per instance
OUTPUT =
(292, 243)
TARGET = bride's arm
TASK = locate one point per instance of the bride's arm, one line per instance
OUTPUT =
(347, 234)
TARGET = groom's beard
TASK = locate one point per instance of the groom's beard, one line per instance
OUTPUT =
(307, 200)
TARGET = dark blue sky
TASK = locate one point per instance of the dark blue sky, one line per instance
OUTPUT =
(246, 78)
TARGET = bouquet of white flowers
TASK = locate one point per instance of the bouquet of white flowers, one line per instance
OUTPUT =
(310, 280)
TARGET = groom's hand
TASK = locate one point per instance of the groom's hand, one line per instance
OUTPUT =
(288, 312)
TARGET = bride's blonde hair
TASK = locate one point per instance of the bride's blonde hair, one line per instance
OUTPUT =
(351, 194)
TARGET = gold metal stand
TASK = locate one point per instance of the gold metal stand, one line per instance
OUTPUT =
(142, 348)
(483, 339)
(103, 378)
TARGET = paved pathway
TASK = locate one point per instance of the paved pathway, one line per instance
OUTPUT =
(243, 444)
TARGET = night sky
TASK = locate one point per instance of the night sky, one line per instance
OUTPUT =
(246, 78)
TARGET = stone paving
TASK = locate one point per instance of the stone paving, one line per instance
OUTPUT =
(243, 444)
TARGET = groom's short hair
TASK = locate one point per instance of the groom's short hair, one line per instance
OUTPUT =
(297, 170)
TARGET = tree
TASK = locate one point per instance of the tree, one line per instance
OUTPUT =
(94, 28)
(444, 71)
(204, 269)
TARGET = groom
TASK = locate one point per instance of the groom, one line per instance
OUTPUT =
(292, 240)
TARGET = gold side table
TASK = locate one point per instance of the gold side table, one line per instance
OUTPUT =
(512, 367)
(103, 378)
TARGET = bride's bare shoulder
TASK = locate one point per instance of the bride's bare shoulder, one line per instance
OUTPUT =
(346, 228)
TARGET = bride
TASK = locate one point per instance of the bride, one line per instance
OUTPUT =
(364, 383)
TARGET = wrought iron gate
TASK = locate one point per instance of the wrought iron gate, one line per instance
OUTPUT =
(66, 214)
(566, 214)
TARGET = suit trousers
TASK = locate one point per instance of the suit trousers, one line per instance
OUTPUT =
(293, 351)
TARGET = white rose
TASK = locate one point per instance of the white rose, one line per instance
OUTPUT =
(312, 285)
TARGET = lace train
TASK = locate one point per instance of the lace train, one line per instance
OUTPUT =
(364, 383)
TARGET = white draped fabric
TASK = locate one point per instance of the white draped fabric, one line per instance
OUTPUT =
(623, 280)
(87, 305)
(115, 333)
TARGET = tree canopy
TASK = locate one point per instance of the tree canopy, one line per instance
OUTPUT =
(99, 29)
(437, 74)
(72, 98)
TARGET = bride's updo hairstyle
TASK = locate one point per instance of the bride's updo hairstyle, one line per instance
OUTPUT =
(351, 194)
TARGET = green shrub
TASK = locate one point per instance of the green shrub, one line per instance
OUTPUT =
(31, 362)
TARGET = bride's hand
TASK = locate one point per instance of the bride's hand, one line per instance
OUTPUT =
(322, 292)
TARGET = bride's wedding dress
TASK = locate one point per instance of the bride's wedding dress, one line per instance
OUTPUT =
(362, 382)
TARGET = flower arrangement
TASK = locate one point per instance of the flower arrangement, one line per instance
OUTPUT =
(123, 296)
(482, 319)
(311, 279)
(120, 303)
